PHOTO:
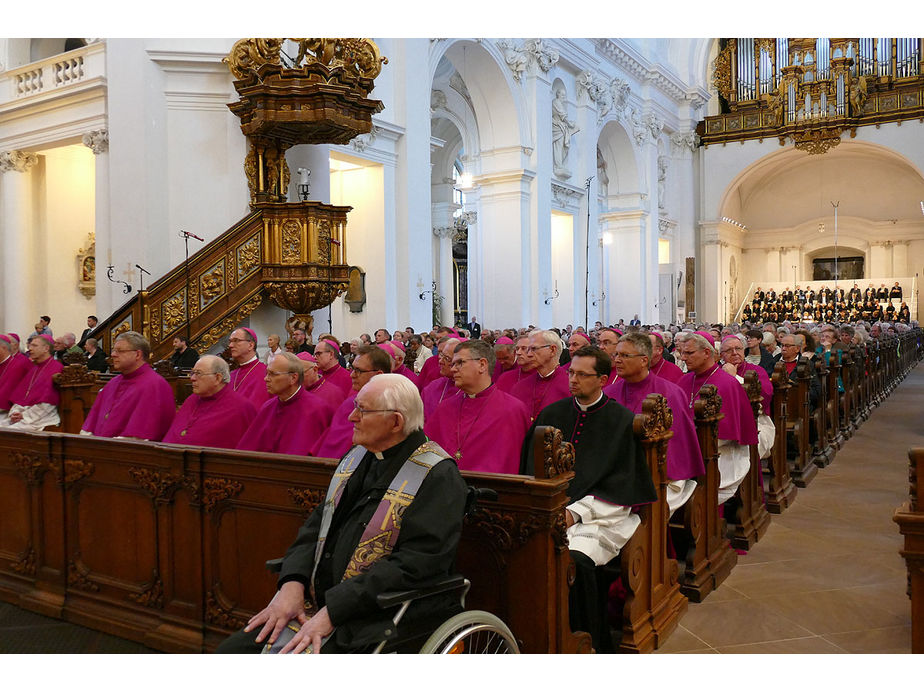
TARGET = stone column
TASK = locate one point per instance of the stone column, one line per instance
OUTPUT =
(444, 273)
(108, 295)
(17, 222)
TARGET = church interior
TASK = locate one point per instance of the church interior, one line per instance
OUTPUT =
(189, 188)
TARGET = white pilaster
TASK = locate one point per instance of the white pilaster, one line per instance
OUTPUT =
(108, 294)
(16, 219)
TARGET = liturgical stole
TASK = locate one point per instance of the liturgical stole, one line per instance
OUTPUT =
(381, 533)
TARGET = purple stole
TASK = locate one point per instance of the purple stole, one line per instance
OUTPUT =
(381, 534)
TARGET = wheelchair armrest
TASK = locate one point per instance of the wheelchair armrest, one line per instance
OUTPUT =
(450, 584)
(274, 565)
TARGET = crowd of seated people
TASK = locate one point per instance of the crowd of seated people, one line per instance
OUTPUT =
(829, 304)
(479, 400)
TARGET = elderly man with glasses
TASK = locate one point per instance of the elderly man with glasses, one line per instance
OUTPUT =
(354, 546)
(137, 403)
(483, 428)
(247, 379)
(443, 387)
(610, 476)
(34, 400)
(294, 420)
(214, 415)
(636, 381)
(737, 429)
(547, 383)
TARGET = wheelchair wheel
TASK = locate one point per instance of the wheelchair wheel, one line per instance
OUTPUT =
(471, 632)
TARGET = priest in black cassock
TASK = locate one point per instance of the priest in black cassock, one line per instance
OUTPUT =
(610, 476)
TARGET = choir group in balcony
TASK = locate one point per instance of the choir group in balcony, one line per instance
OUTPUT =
(828, 304)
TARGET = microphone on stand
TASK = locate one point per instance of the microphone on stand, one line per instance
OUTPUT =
(187, 234)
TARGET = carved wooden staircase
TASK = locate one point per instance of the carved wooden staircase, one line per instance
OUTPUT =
(292, 253)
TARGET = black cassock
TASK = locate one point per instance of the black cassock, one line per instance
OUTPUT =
(609, 464)
(424, 553)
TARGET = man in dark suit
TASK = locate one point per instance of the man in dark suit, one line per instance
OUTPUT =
(92, 322)
(474, 328)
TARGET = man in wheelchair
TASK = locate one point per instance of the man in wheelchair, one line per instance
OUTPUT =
(390, 522)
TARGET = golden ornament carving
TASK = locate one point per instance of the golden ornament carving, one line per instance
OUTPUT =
(248, 257)
(324, 242)
(211, 337)
(86, 267)
(358, 57)
(212, 283)
(248, 54)
(303, 297)
(217, 489)
(721, 70)
(126, 326)
(267, 170)
(174, 312)
(817, 141)
(708, 406)
(291, 242)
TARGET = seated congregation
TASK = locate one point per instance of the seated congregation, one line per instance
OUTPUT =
(718, 445)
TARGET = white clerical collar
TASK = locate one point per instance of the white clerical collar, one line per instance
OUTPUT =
(585, 407)
(292, 395)
(379, 456)
(547, 375)
(249, 362)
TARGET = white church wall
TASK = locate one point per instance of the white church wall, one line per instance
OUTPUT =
(65, 219)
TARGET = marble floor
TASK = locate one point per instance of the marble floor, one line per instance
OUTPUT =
(827, 576)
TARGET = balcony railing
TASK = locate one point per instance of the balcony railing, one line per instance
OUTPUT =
(60, 71)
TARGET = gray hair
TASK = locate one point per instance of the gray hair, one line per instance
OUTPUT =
(69, 339)
(400, 394)
(479, 350)
(701, 343)
(91, 342)
(641, 342)
(218, 365)
(769, 339)
(294, 364)
(550, 337)
(136, 341)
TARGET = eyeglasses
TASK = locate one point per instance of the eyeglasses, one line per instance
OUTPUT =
(618, 355)
(199, 374)
(458, 362)
(531, 349)
(362, 371)
(363, 412)
(124, 351)
(580, 374)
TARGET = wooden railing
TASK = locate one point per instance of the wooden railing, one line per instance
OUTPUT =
(910, 519)
(292, 253)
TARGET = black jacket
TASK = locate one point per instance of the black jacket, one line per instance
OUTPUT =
(425, 551)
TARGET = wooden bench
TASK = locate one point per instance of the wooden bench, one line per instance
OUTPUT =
(654, 604)
(166, 545)
(781, 492)
(751, 517)
(910, 519)
(802, 469)
(699, 533)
